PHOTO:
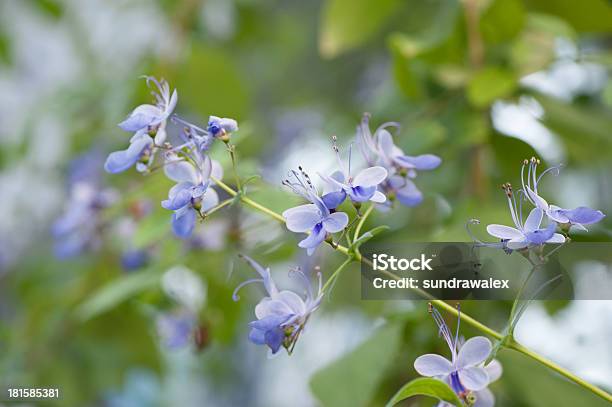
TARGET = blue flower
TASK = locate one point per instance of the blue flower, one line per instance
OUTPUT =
(192, 196)
(140, 152)
(379, 149)
(221, 126)
(148, 117)
(360, 188)
(176, 329)
(578, 217)
(527, 233)
(465, 373)
(134, 259)
(281, 315)
(78, 228)
(314, 218)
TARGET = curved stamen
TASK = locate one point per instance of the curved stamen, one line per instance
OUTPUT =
(235, 295)
(308, 285)
(556, 168)
(443, 330)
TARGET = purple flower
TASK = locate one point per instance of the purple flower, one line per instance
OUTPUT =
(281, 315)
(78, 228)
(221, 126)
(140, 152)
(134, 259)
(360, 188)
(379, 149)
(148, 118)
(465, 373)
(527, 233)
(192, 195)
(314, 218)
(176, 329)
(578, 217)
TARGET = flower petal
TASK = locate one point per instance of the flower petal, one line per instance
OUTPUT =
(484, 398)
(370, 177)
(267, 307)
(494, 370)
(141, 117)
(122, 160)
(180, 171)
(264, 273)
(302, 218)
(209, 200)
(408, 194)
(474, 378)
(292, 301)
(534, 220)
(315, 238)
(433, 365)
(474, 351)
(334, 199)
(583, 215)
(182, 226)
(504, 232)
(335, 222)
(420, 162)
(361, 194)
(556, 238)
(177, 200)
(378, 197)
(539, 201)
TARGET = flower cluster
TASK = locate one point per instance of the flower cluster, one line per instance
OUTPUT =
(187, 163)
(281, 315)
(77, 229)
(379, 149)
(466, 373)
(529, 232)
(387, 177)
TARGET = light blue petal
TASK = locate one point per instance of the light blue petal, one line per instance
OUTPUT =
(420, 162)
(316, 237)
(122, 160)
(432, 365)
(583, 215)
(334, 199)
(541, 235)
(182, 226)
(409, 194)
(179, 200)
(474, 378)
(361, 194)
(474, 351)
(302, 218)
(335, 222)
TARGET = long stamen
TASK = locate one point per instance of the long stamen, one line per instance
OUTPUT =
(458, 325)
(308, 285)
(235, 295)
(507, 187)
(337, 151)
(443, 329)
(556, 168)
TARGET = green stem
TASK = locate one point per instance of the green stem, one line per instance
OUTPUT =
(362, 221)
(441, 304)
(232, 152)
(517, 299)
(336, 273)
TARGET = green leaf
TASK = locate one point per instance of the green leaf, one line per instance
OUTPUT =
(502, 21)
(352, 380)
(115, 292)
(368, 235)
(594, 16)
(490, 84)
(346, 24)
(426, 386)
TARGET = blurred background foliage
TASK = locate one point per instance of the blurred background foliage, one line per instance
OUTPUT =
(481, 83)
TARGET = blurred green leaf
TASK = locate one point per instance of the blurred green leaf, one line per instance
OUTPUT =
(346, 24)
(584, 129)
(593, 16)
(115, 292)
(490, 84)
(534, 49)
(537, 385)
(502, 21)
(426, 386)
(353, 379)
